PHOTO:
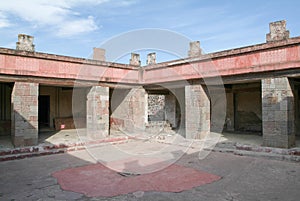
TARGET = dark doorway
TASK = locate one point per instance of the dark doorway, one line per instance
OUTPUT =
(44, 111)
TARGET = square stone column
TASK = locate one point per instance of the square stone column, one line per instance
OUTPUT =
(138, 108)
(24, 114)
(197, 112)
(98, 112)
(278, 113)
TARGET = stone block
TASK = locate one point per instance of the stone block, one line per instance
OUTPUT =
(99, 54)
(151, 58)
(18, 141)
(24, 113)
(278, 113)
(135, 59)
(281, 115)
(197, 110)
(195, 49)
(31, 141)
(25, 43)
(278, 31)
(97, 110)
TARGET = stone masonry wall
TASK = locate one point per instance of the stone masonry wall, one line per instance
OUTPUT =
(278, 113)
(170, 101)
(25, 114)
(129, 109)
(156, 107)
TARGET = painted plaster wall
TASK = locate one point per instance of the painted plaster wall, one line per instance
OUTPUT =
(61, 102)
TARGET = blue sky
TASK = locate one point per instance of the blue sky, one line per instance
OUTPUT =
(74, 27)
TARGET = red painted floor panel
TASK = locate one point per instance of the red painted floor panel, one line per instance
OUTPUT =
(97, 180)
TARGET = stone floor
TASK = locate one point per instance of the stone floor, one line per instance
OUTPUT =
(242, 178)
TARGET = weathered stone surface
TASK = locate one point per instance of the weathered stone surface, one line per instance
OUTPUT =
(151, 58)
(156, 107)
(195, 49)
(197, 112)
(278, 113)
(25, 43)
(170, 110)
(129, 109)
(98, 54)
(135, 59)
(278, 31)
(229, 121)
(24, 114)
(62, 123)
(98, 112)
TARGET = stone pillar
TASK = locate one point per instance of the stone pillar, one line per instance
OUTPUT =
(278, 113)
(135, 59)
(151, 58)
(197, 111)
(138, 108)
(278, 31)
(99, 54)
(98, 112)
(24, 116)
(297, 109)
(170, 107)
(195, 49)
(25, 43)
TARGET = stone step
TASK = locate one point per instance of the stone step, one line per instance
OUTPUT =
(47, 149)
(162, 126)
(293, 158)
(262, 152)
(30, 154)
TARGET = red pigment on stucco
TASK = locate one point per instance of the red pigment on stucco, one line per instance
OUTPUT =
(97, 180)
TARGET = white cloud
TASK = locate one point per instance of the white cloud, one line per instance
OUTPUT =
(4, 21)
(125, 2)
(57, 15)
(77, 27)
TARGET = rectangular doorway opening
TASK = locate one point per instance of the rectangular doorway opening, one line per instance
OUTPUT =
(44, 111)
